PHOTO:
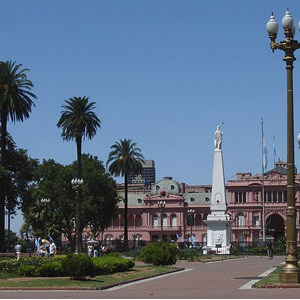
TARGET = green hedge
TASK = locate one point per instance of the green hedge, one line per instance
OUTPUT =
(76, 266)
(108, 264)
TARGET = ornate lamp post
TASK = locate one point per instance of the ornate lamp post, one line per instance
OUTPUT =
(45, 201)
(290, 273)
(190, 213)
(161, 205)
(76, 185)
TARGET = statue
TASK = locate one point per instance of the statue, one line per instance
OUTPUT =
(218, 138)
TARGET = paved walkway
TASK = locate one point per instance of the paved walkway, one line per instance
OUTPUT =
(226, 279)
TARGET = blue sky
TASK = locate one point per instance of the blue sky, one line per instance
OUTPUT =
(163, 73)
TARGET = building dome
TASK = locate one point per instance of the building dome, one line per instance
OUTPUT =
(166, 185)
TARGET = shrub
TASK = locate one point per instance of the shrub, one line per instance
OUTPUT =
(159, 254)
(189, 254)
(52, 269)
(110, 264)
(78, 266)
(9, 265)
(28, 271)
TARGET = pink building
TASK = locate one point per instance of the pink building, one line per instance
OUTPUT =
(147, 221)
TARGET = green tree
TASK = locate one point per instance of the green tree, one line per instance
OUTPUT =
(15, 105)
(77, 121)
(100, 194)
(125, 158)
(18, 174)
(51, 181)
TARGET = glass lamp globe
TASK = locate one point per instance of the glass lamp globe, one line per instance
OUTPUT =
(272, 25)
(287, 21)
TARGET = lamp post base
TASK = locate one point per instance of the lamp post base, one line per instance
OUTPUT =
(293, 277)
(290, 274)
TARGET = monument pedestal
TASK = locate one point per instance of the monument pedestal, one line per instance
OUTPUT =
(218, 234)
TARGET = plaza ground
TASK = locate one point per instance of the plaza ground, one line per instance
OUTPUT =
(215, 280)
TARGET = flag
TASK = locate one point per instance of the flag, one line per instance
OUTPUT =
(265, 153)
(274, 149)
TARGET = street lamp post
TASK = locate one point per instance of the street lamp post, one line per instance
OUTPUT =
(45, 201)
(190, 213)
(290, 273)
(161, 205)
(76, 185)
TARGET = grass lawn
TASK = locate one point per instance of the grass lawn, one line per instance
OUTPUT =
(97, 282)
(272, 280)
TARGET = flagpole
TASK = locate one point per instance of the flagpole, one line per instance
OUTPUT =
(263, 182)
(274, 150)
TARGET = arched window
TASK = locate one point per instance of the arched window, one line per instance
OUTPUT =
(173, 220)
(165, 221)
(155, 221)
(138, 221)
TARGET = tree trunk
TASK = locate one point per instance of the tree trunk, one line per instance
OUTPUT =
(126, 214)
(2, 180)
(79, 194)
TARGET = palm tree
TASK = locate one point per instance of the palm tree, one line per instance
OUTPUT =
(125, 158)
(78, 121)
(15, 105)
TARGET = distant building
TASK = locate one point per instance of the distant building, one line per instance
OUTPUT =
(147, 177)
(146, 221)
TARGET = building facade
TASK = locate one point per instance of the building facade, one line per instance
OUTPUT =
(148, 221)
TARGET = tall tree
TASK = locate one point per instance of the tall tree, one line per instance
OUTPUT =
(15, 105)
(125, 158)
(77, 121)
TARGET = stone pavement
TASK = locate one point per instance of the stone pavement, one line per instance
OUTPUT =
(215, 280)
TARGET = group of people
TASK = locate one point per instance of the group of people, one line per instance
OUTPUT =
(45, 247)
(97, 250)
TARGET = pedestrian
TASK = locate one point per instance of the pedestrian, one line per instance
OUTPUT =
(52, 249)
(18, 248)
(270, 249)
(90, 249)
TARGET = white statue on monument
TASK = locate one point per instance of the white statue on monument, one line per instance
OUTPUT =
(218, 138)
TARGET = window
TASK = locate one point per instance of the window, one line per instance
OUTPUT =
(241, 220)
(240, 197)
(173, 221)
(165, 221)
(155, 221)
(255, 221)
(138, 221)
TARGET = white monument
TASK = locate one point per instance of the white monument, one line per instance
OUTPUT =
(218, 221)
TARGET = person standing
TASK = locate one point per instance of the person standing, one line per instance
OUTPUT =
(270, 249)
(18, 248)
(52, 249)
